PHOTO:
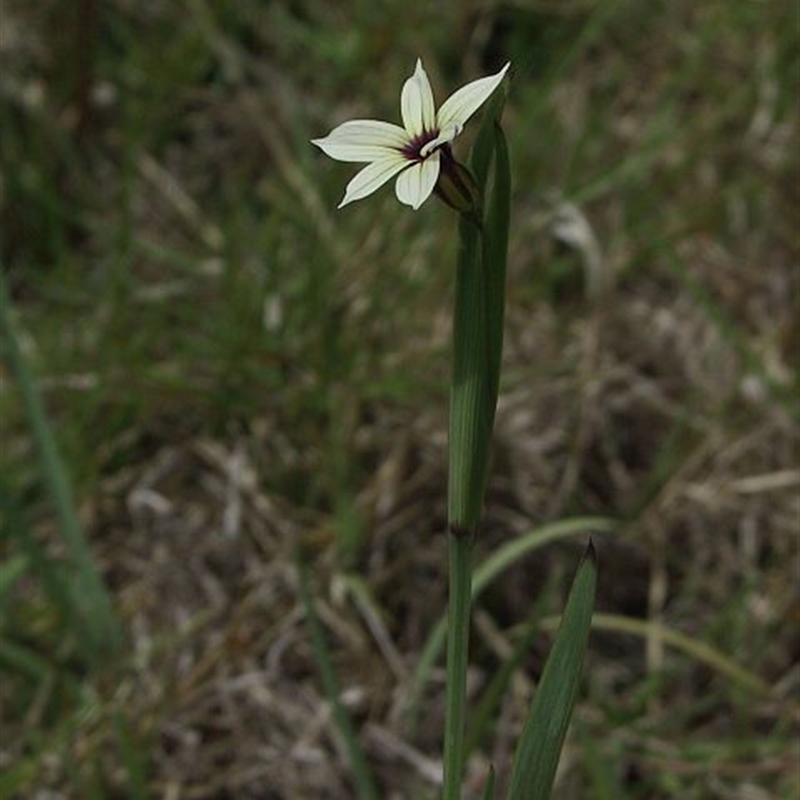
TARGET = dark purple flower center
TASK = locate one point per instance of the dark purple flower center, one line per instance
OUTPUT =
(412, 150)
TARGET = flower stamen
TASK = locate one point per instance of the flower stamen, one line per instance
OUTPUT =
(420, 146)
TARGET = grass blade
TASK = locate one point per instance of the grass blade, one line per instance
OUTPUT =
(495, 257)
(362, 776)
(695, 648)
(539, 747)
(96, 622)
(488, 571)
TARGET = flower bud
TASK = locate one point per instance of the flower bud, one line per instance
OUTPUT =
(455, 185)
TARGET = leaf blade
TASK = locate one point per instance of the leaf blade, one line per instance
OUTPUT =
(542, 738)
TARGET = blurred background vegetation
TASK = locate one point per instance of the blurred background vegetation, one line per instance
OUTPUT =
(230, 366)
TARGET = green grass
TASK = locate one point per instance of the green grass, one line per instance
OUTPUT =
(184, 286)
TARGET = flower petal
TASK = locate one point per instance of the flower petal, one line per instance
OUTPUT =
(363, 140)
(416, 103)
(415, 185)
(464, 102)
(372, 177)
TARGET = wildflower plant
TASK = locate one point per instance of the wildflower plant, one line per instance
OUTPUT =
(420, 155)
(419, 152)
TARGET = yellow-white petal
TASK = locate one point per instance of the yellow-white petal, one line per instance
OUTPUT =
(464, 102)
(363, 140)
(372, 177)
(415, 185)
(416, 103)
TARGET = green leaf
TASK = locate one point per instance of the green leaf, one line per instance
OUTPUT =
(484, 146)
(96, 623)
(695, 648)
(539, 747)
(470, 424)
(478, 322)
(486, 572)
(495, 256)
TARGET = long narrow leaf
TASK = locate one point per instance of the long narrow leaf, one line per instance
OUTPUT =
(97, 624)
(478, 326)
(487, 572)
(495, 257)
(695, 648)
(362, 776)
(55, 580)
(484, 146)
(470, 422)
(539, 747)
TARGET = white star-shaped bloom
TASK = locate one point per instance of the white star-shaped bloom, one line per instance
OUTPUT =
(414, 151)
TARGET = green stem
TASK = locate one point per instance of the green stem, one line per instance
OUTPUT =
(457, 653)
(477, 345)
(470, 430)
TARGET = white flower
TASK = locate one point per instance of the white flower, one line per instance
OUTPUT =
(414, 150)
